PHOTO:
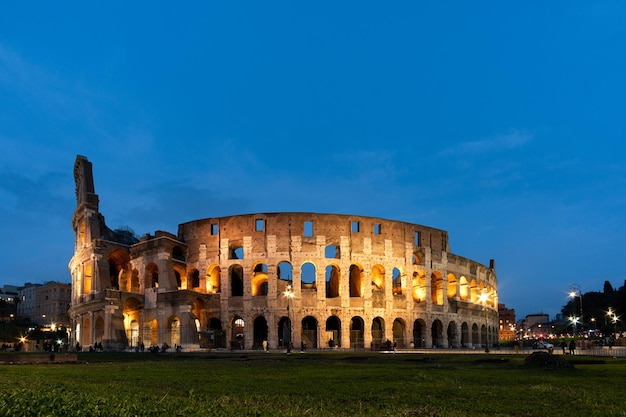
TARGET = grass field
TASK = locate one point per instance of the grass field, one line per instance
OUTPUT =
(312, 384)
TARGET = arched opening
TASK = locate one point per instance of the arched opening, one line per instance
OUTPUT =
(181, 277)
(436, 288)
(463, 289)
(474, 292)
(86, 339)
(154, 333)
(356, 286)
(437, 333)
(309, 331)
(398, 333)
(332, 252)
(174, 330)
(99, 330)
(195, 279)
(332, 281)
(284, 271)
(284, 332)
(396, 282)
(236, 280)
(213, 282)
(333, 331)
(451, 287)
(308, 276)
(453, 341)
(259, 280)
(235, 251)
(378, 332)
(216, 337)
(87, 288)
(151, 279)
(133, 333)
(419, 336)
(238, 334)
(260, 332)
(475, 336)
(378, 278)
(134, 281)
(419, 286)
(357, 333)
(465, 336)
(118, 264)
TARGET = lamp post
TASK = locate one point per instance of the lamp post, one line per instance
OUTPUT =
(483, 299)
(614, 318)
(574, 289)
(289, 294)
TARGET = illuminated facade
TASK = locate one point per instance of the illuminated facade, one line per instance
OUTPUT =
(355, 282)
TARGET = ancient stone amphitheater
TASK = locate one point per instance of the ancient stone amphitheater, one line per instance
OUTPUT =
(291, 279)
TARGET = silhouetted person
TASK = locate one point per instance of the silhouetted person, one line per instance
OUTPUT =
(572, 347)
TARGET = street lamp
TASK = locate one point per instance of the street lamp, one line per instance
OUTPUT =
(573, 290)
(574, 321)
(289, 294)
(614, 318)
(483, 299)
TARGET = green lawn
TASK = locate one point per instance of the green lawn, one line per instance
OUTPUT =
(312, 384)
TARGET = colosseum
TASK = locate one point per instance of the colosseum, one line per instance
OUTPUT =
(309, 280)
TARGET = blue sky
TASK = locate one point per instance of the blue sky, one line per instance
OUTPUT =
(500, 122)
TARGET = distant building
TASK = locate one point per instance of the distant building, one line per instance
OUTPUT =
(45, 304)
(8, 293)
(507, 329)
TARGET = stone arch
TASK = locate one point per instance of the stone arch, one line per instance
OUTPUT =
(173, 330)
(134, 281)
(154, 332)
(133, 333)
(419, 334)
(463, 288)
(284, 332)
(378, 332)
(451, 333)
(398, 331)
(237, 340)
(98, 330)
(199, 311)
(215, 335)
(180, 276)
(436, 288)
(357, 333)
(474, 292)
(356, 280)
(332, 281)
(475, 335)
(213, 280)
(437, 333)
(419, 286)
(451, 293)
(235, 274)
(332, 252)
(308, 276)
(118, 265)
(333, 330)
(309, 331)
(151, 278)
(396, 281)
(86, 332)
(465, 336)
(259, 280)
(284, 271)
(378, 277)
(259, 333)
(88, 279)
(235, 251)
(194, 278)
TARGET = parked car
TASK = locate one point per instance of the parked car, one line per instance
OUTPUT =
(541, 344)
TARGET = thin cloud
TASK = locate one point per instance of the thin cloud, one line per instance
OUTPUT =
(499, 143)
